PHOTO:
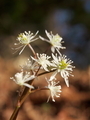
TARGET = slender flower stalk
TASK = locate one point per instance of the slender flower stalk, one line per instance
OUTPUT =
(33, 51)
(63, 66)
(54, 40)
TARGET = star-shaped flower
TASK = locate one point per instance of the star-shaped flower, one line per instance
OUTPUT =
(54, 40)
(63, 66)
(30, 65)
(54, 89)
(43, 60)
(24, 39)
(22, 79)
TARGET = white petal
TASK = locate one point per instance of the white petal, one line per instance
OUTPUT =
(53, 76)
(52, 49)
(22, 49)
(67, 82)
(48, 35)
(29, 78)
(27, 85)
(55, 58)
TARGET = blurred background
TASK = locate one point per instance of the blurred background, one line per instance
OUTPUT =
(71, 20)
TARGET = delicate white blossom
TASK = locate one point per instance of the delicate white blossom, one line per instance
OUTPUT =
(55, 90)
(63, 65)
(24, 39)
(30, 65)
(43, 60)
(54, 40)
(22, 79)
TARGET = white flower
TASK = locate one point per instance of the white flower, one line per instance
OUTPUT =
(62, 65)
(55, 90)
(30, 65)
(43, 60)
(54, 40)
(21, 79)
(24, 39)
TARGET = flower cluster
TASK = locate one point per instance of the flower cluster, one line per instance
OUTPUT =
(55, 63)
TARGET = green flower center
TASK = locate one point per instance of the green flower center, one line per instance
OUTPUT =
(23, 39)
(56, 39)
(62, 65)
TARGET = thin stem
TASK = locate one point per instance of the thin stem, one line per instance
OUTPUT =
(25, 96)
(39, 89)
(32, 50)
(21, 101)
(45, 73)
(15, 113)
(47, 49)
(19, 104)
